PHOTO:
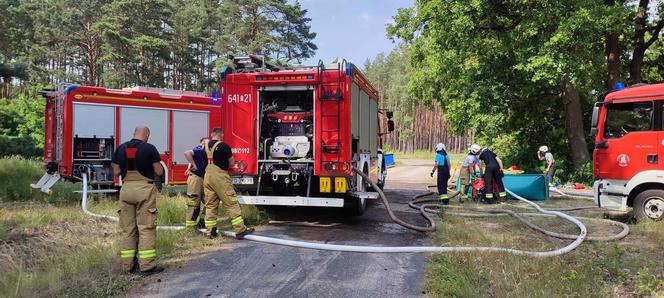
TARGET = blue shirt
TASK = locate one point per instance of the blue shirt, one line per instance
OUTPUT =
(200, 160)
(443, 160)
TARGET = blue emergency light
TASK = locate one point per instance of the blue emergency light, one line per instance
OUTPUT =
(619, 86)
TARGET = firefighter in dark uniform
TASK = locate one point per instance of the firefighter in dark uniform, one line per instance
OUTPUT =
(493, 171)
(218, 186)
(195, 192)
(138, 163)
(442, 164)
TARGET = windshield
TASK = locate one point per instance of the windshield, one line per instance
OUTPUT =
(623, 118)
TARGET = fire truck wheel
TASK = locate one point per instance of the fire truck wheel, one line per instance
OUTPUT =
(381, 179)
(649, 204)
(356, 206)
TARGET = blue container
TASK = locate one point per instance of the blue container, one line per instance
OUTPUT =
(389, 160)
(534, 187)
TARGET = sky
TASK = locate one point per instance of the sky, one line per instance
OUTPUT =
(351, 29)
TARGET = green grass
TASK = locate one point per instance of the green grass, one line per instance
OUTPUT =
(54, 249)
(630, 267)
(417, 154)
(426, 155)
(17, 173)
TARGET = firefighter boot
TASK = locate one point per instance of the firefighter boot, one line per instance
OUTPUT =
(154, 270)
(247, 231)
(445, 199)
(212, 233)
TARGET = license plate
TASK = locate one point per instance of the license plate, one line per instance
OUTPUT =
(243, 180)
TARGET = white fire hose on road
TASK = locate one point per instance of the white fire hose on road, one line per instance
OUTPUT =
(388, 249)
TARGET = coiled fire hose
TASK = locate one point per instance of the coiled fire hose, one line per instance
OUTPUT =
(488, 212)
(385, 249)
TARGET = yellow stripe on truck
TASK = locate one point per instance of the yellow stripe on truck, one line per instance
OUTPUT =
(340, 184)
(325, 184)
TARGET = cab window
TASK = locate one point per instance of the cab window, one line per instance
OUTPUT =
(623, 118)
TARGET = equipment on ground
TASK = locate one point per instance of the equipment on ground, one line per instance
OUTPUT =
(84, 124)
(535, 187)
(628, 126)
(297, 133)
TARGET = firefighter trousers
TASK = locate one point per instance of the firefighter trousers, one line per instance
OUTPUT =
(218, 187)
(138, 216)
(443, 178)
(492, 174)
(195, 194)
(464, 180)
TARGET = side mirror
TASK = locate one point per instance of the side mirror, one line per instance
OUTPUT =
(389, 114)
(595, 119)
(390, 125)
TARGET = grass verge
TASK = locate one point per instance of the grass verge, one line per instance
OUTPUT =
(426, 155)
(55, 250)
(630, 267)
(16, 175)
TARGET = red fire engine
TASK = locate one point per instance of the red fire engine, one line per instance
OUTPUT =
(629, 132)
(83, 125)
(297, 133)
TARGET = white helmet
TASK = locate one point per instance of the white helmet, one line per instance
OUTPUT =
(544, 149)
(475, 149)
(440, 147)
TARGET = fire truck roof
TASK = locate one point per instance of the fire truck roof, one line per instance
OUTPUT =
(146, 93)
(637, 93)
(300, 75)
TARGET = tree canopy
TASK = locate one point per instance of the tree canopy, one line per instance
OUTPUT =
(177, 44)
(162, 43)
(522, 74)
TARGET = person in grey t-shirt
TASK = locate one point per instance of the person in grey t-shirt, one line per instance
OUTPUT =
(544, 154)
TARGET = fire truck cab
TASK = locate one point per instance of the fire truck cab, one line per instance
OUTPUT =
(629, 134)
(298, 133)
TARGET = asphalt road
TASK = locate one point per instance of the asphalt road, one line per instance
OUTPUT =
(251, 269)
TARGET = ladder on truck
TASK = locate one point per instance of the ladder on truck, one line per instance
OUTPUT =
(330, 94)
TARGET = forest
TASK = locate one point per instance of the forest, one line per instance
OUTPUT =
(511, 75)
(518, 74)
(177, 44)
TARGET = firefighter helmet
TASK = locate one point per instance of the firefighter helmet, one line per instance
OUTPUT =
(475, 149)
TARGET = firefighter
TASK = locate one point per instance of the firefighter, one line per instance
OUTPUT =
(493, 171)
(218, 186)
(442, 165)
(469, 169)
(138, 162)
(195, 193)
(544, 154)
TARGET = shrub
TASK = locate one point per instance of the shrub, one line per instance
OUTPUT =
(17, 173)
(583, 174)
(24, 146)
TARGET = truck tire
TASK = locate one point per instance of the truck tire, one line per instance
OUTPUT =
(383, 175)
(649, 204)
(356, 206)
